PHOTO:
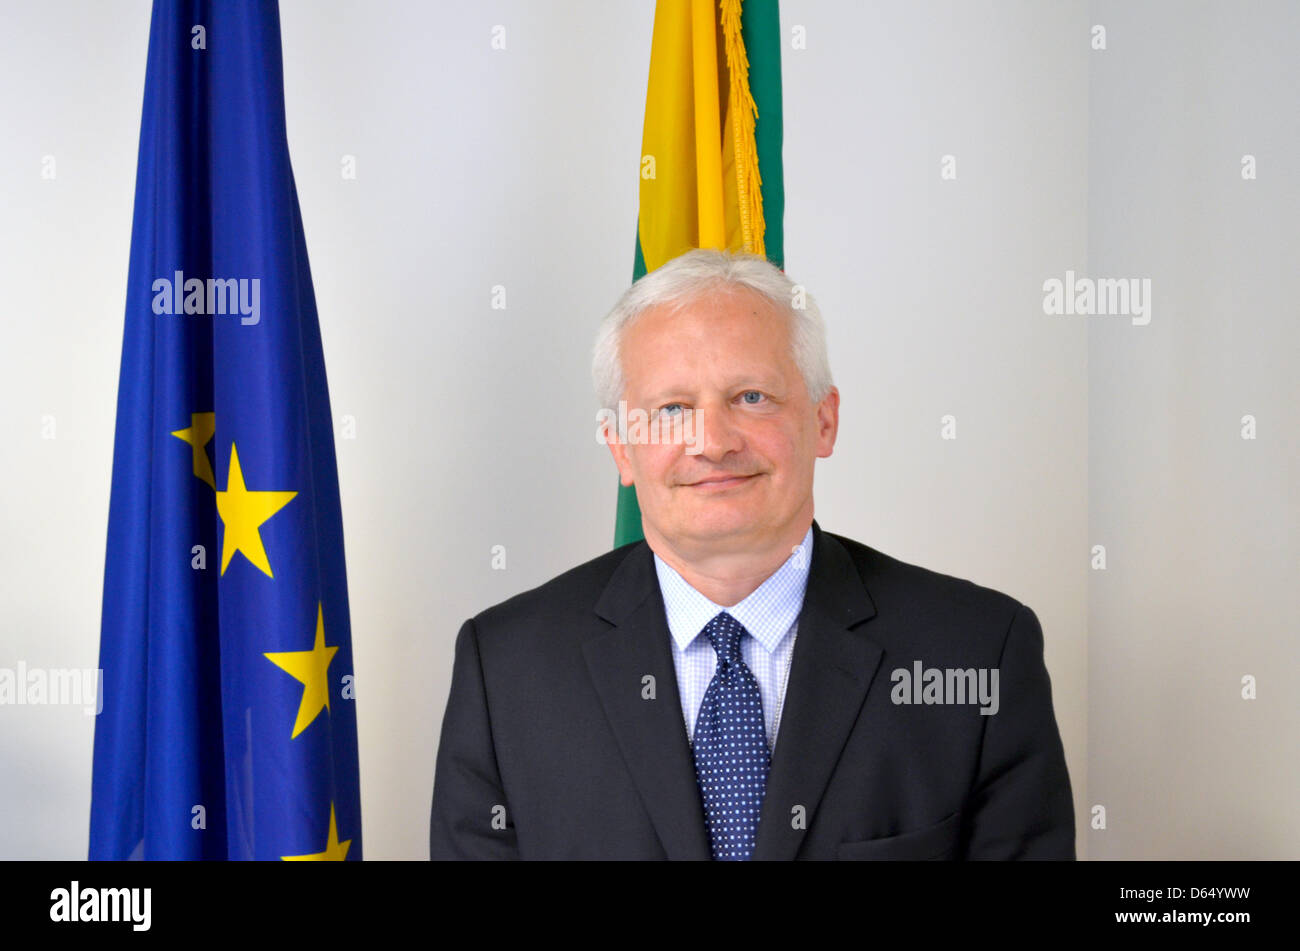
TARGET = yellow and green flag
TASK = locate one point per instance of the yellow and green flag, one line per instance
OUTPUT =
(711, 146)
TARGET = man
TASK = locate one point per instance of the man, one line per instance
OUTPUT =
(743, 684)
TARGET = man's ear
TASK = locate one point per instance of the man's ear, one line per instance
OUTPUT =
(619, 452)
(828, 423)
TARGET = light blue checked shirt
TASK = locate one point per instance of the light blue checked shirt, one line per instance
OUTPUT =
(770, 614)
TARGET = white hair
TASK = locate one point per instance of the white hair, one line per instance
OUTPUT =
(690, 276)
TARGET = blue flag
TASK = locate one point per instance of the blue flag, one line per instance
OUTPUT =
(228, 728)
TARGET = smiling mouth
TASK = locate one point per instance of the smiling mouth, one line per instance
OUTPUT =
(720, 484)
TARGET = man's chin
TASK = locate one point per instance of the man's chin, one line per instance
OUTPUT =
(718, 522)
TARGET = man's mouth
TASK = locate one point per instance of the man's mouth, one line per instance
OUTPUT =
(720, 483)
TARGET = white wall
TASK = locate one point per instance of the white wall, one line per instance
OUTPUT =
(474, 426)
(1202, 527)
(73, 81)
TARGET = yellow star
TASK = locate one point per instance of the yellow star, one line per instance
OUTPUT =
(312, 668)
(335, 851)
(202, 427)
(243, 511)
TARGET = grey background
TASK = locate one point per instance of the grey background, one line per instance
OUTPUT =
(474, 427)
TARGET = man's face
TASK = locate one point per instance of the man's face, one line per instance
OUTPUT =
(725, 357)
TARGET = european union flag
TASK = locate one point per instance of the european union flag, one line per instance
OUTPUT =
(228, 727)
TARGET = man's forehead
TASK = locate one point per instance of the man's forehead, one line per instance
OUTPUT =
(749, 326)
(666, 360)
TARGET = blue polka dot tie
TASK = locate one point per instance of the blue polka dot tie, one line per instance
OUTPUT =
(731, 754)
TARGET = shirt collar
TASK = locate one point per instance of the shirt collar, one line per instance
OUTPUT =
(767, 613)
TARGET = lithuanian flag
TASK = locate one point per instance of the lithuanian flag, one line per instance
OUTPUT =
(711, 146)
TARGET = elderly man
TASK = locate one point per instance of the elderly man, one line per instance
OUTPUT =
(743, 684)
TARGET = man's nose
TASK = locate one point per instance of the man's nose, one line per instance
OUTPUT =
(716, 431)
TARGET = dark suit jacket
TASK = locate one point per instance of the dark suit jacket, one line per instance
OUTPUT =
(551, 750)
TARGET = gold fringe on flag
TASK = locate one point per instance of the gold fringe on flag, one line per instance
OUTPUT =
(744, 112)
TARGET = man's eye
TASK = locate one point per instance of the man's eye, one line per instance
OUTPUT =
(754, 393)
(670, 409)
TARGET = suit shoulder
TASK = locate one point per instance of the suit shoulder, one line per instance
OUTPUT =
(573, 592)
(893, 579)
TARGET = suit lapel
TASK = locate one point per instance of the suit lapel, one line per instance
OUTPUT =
(830, 673)
(650, 733)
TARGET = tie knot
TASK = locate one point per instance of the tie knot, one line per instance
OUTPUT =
(724, 633)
